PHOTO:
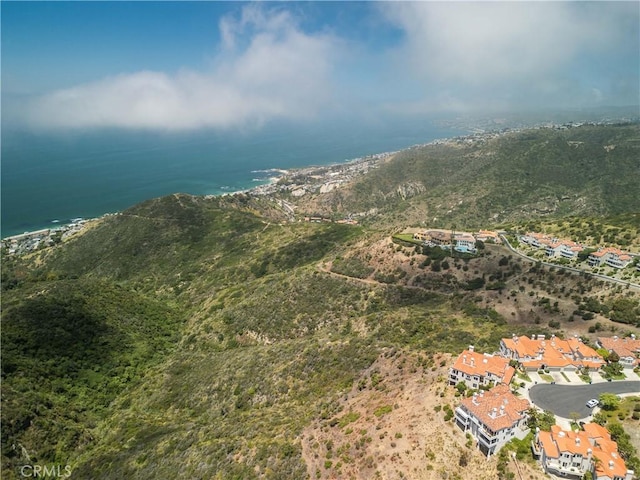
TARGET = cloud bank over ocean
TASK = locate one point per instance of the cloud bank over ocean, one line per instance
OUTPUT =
(280, 72)
(275, 62)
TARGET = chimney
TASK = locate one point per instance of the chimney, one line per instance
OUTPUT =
(473, 362)
(611, 464)
(464, 359)
(471, 348)
(578, 441)
(541, 337)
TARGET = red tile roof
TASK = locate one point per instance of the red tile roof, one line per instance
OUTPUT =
(552, 352)
(594, 440)
(497, 408)
(482, 364)
(624, 347)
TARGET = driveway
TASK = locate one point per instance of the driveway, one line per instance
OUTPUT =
(564, 399)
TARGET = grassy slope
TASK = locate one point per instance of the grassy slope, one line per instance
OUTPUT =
(519, 175)
(209, 334)
(266, 342)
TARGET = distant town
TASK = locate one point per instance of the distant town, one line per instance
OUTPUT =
(47, 237)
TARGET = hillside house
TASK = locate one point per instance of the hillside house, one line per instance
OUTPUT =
(571, 454)
(480, 369)
(488, 236)
(554, 353)
(563, 249)
(537, 240)
(613, 257)
(628, 349)
(439, 237)
(465, 242)
(493, 418)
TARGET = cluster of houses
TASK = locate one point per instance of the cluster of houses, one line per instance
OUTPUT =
(32, 241)
(464, 242)
(559, 248)
(553, 354)
(494, 415)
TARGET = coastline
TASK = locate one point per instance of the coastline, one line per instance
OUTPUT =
(272, 183)
(265, 187)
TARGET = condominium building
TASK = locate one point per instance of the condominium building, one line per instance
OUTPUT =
(480, 369)
(554, 353)
(571, 454)
(613, 257)
(493, 418)
(628, 349)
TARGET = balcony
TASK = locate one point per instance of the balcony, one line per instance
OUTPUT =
(486, 437)
(566, 472)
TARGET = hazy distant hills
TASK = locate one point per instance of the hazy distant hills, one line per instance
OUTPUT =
(192, 337)
(580, 170)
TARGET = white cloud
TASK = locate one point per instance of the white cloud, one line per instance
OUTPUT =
(510, 52)
(267, 68)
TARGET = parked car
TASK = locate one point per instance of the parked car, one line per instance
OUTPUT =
(592, 403)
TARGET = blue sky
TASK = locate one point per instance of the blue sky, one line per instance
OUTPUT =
(192, 65)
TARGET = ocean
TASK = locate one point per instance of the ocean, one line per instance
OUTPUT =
(48, 179)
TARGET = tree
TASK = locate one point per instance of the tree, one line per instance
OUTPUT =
(600, 418)
(613, 357)
(609, 401)
(612, 370)
(584, 254)
(543, 420)
(574, 416)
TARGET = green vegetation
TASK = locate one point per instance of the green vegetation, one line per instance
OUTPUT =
(69, 349)
(542, 420)
(609, 401)
(521, 175)
(351, 267)
(383, 410)
(192, 337)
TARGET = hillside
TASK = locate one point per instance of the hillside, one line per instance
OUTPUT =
(587, 170)
(213, 338)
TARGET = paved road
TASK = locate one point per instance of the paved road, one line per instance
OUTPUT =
(564, 399)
